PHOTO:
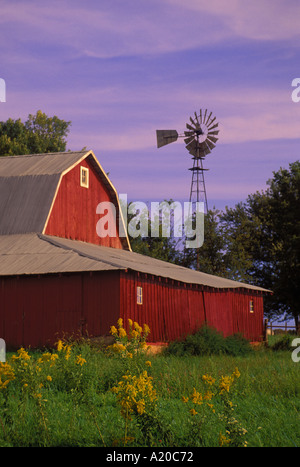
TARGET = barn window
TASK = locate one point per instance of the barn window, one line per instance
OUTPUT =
(84, 177)
(251, 306)
(139, 295)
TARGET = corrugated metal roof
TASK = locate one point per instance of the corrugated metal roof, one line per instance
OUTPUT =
(29, 254)
(38, 164)
(146, 264)
(27, 188)
(42, 254)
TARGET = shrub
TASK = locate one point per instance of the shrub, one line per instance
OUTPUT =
(208, 341)
(284, 343)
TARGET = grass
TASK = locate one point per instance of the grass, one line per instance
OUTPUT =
(72, 403)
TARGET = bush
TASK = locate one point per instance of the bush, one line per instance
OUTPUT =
(284, 343)
(208, 341)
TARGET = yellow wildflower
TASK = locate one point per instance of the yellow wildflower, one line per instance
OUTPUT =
(137, 327)
(197, 397)
(80, 360)
(49, 378)
(185, 399)
(130, 322)
(236, 373)
(6, 374)
(113, 330)
(59, 345)
(223, 440)
(148, 363)
(134, 334)
(120, 322)
(208, 379)
(193, 412)
(140, 406)
(122, 332)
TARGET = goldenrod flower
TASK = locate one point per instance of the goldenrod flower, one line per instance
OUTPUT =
(148, 363)
(59, 345)
(208, 379)
(120, 322)
(122, 332)
(80, 360)
(113, 330)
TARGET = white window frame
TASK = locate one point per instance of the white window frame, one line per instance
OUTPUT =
(84, 174)
(139, 295)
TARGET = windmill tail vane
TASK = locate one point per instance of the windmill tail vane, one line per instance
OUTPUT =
(200, 139)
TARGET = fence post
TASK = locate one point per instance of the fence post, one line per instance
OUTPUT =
(265, 336)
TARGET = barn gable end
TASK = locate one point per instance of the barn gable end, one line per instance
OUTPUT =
(42, 193)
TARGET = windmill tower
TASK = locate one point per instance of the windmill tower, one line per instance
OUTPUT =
(200, 138)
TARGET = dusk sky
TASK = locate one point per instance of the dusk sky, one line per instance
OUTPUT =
(120, 69)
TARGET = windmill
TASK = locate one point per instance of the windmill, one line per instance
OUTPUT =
(200, 138)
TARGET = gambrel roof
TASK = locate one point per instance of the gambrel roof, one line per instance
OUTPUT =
(28, 186)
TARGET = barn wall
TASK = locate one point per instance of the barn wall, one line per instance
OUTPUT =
(172, 309)
(74, 211)
(229, 312)
(36, 311)
(169, 308)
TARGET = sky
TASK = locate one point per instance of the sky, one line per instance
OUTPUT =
(119, 70)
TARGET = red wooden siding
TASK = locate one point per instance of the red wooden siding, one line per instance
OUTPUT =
(169, 308)
(173, 309)
(37, 311)
(74, 211)
(229, 312)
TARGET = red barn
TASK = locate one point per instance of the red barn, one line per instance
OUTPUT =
(58, 277)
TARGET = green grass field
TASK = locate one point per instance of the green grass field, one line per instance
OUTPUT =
(64, 398)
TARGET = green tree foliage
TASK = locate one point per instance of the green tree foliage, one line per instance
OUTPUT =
(263, 241)
(38, 134)
(163, 247)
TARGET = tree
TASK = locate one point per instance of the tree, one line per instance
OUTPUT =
(210, 256)
(160, 246)
(38, 134)
(263, 235)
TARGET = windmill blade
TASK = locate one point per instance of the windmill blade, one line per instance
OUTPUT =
(208, 118)
(202, 150)
(204, 115)
(201, 116)
(189, 133)
(194, 123)
(204, 147)
(210, 144)
(213, 132)
(212, 138)
(189, 140)
(215, 126)
(210, 123)
(189, 127)
(192, 144)
(198, 124)
(192, 147)
(164, 137)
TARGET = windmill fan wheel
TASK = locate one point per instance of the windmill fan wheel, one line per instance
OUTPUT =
(201, 134)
